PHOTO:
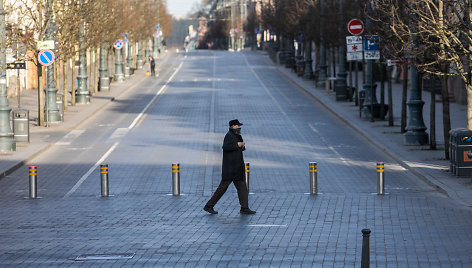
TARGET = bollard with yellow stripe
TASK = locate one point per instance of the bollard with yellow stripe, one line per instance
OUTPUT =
(104, 180)
(313, 170)
(33, 189)
(175, 179)
(246, 175)
(380, 178)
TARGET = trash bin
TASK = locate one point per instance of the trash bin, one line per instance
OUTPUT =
(452, 149)
(21, 125)
(60, 105)
(463, 149)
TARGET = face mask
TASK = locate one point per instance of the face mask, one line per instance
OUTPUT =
(236, 131)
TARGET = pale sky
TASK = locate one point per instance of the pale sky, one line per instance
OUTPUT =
(180, 8)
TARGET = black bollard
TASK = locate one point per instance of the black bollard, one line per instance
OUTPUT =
(365, 261)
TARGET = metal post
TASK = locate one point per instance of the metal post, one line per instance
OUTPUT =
(308, 72)
(323, 67)
(82, 94)
(32, 182)
(7, 140)
(175, 179)
(246, 168)
(119, 76)
(313, 168)
(380, 178)
(51, 110)
(103, 70)
(104, 179)
(139, 61)
(365, 261)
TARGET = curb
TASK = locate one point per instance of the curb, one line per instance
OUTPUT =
(369, 138)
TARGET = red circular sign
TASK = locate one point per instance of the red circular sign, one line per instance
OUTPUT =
(355, 27)
(118, 44)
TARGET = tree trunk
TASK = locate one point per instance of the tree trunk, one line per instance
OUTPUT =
(382, 91)
(405, 88)
(390, 97)
(446, 114)
(73, 82)
(432, 116)
(64, 84)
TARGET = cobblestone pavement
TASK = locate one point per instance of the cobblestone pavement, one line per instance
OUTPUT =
(182, 117)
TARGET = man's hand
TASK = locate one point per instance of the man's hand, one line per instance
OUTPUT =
(241, 144)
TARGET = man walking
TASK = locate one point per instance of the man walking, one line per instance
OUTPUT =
(153, 66)
(232, 169)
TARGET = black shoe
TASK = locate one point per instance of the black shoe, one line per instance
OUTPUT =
(247, 211)
(210, 210)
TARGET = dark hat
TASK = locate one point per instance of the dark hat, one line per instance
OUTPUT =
(235, 122)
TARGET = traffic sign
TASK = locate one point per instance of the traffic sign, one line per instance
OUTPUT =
(47, 44)
(118, 44)
(16, 65)
(372, 55)
(355, 27)
(46, 57)
(354, 48)
(157, 34)
(371, 42)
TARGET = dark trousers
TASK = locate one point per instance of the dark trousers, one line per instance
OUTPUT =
(153, 71)
(242, 193)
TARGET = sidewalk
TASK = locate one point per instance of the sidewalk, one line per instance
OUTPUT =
(40, 136)
(428, 165)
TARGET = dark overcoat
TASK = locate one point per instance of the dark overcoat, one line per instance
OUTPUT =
(233, 161)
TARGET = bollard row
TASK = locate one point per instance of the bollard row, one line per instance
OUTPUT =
(312, 168)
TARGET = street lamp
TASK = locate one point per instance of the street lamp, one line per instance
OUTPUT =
(323, 67)
(104, 79)
(341, 90)
(82, 95)
(7, 140)
(416, 129)
(52, 110)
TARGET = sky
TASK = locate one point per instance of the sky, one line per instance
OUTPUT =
(179, 8)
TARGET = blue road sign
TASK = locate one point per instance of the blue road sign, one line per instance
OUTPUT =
(46, 57)
(371, 42)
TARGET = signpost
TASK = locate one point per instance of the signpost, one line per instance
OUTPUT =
(354, 48)
(46, 57)
(47, 44)
(355, 27)
(371, 47)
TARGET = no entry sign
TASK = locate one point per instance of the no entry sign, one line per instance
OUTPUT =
(46, 57)
(355, 27)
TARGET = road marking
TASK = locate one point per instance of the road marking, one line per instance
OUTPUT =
(85, 176)
(118, 134)
(72, 135)
(267, 225)
(328, 145)
(141, 114)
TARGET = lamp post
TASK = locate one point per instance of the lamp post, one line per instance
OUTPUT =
(129, 60)
(147, 51)
(119, 76)
(139, 61)
(104, 79)
(7, 140)
(341, 85)
(82, 94)
(103, 69)
(308, 72)
(416, 129)
(323, 67)
(370, 87)
(52, 110)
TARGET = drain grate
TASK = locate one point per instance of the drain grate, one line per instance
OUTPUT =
(105, 256)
